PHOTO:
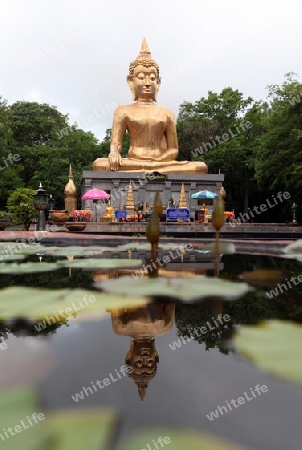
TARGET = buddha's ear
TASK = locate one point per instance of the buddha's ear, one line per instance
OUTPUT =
(130, 353)
(131, 85)
(157, 88)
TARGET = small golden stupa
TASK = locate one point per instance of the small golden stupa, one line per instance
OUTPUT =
(70, 193)
(130, 199)
(182, 202)
(130, 208)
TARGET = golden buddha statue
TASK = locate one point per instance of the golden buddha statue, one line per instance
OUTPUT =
(109, 214)
(151, 127)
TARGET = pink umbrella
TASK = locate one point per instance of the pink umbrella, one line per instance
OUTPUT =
(95, 194)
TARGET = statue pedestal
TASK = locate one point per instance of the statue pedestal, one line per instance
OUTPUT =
(144, 188)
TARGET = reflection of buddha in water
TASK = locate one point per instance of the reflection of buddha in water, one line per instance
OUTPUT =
(142, 324)
(153, 138)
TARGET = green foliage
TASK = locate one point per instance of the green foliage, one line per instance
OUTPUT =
(278, 153)
(21, 204)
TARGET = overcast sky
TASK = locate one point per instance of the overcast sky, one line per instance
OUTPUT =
(75, 54)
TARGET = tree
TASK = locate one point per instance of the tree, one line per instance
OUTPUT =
(278, 154)
(21, 204)
(214, 130)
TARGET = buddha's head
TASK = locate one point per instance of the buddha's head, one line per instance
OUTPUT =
(142, 358)
(143, 78)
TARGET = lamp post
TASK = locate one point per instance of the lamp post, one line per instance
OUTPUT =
(294, 210)
(51, 202)
(246, 195)
(41, 201)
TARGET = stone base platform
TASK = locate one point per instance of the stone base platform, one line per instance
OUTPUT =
(145, 187)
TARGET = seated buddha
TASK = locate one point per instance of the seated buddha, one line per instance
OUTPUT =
(109, 212)
(151, 127)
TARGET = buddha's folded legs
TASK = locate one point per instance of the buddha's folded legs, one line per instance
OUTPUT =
(133, 165)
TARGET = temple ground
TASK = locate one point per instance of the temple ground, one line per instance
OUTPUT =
(267, 239)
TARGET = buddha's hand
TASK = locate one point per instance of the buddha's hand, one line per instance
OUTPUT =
(115, 160)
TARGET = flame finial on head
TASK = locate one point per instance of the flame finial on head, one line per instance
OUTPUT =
(144, 59)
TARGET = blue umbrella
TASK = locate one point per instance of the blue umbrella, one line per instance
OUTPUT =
(204, 194)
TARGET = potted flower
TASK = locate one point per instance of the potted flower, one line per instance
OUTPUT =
(80, 218)
(81, 215)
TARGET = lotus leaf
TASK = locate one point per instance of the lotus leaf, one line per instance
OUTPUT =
(102, 263)
(227, 248)
(31, 267)
(275, 346)
(35, 304)
(186, 289)
(179, 440)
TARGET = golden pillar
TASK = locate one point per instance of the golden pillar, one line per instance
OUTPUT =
(70, 193)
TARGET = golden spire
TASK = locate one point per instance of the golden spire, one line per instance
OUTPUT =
(70, 188)
(144, 59)
(130, 199)
(182, 202)
(70, 193)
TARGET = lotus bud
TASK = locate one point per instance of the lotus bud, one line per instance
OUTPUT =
(158, 205)
(218, 213)
(152, 231)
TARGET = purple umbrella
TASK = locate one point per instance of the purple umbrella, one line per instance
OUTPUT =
(95, 194)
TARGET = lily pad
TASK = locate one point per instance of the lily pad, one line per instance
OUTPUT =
(275, 346)
(294, 247)
(176, 440)
(63, 430)
(70, 251)
(57, 305)
(87, 429)
(19, 269)
(145, 246)
(227, 248)
(15, 407)
(12, 258)
(185, 289)
(102, 263)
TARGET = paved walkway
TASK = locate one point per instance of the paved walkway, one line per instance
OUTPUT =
(253, 242)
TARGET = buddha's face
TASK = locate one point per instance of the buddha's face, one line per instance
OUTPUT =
(144, 83)
(142, 356)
